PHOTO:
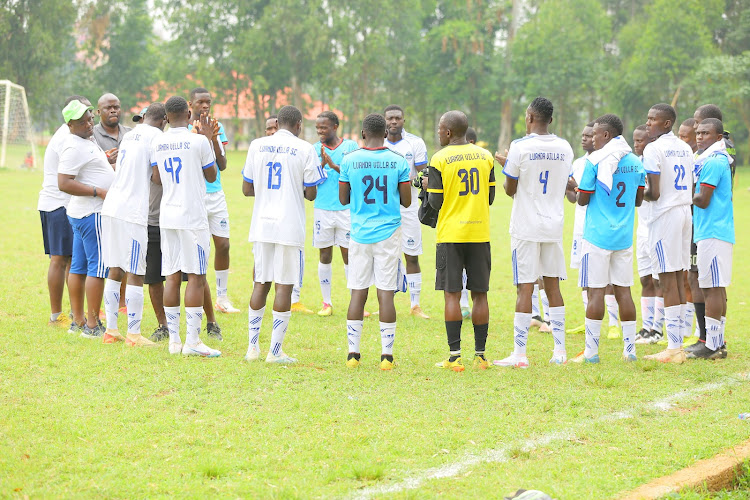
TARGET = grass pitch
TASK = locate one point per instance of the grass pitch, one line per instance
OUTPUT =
(81, 419)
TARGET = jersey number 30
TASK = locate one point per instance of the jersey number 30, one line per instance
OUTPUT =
(470, 180)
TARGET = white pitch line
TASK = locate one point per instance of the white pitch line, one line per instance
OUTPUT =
(503, 454)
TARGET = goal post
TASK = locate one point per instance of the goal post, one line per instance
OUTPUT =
(17, 148)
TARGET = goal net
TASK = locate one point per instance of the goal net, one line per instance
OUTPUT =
(16, 142)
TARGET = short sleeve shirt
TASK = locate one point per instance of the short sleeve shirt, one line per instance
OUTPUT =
(328, 192)
(85, 160)
(414, 150)
(50, 197)
(672, 160)
(717, 219)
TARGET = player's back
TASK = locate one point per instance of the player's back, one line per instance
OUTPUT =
(128, 196)
(328, 192)
(467, 172)
(717, 219)
(672, 159)
(374, 176)
(279, 167)
(413, 148)
(181, 157)
(542, 164)
(610, 216)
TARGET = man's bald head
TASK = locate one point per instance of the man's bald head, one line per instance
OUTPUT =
(452, 128)
(109, 110)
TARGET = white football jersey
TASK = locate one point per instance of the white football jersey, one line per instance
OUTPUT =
(542, 164)
(86, 160)
(128, 197)
(580, 211)
(50, 197)
(181, 157)
(414, 150)
(672, 160)
(280, 167)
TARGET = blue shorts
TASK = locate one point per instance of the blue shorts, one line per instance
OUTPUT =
(87, 246)
(56, 232)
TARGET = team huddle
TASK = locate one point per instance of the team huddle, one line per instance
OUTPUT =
(145, 210)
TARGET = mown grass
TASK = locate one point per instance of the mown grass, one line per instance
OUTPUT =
(80, 419)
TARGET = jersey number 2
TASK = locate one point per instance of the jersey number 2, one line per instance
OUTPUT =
(371, 182)
(621, 187)
(274, 175)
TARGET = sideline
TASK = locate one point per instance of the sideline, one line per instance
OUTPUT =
(500, 455)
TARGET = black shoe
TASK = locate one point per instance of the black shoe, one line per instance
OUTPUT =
(704, 352)
(161, 333)
(214, 331)
(695, 346)
(655, 337)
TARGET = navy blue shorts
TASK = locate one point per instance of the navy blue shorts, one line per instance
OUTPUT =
(87, 246)
(56, 232)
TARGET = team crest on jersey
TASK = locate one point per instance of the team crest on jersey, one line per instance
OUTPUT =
(223, 223)
(410, 242)
(409, 156)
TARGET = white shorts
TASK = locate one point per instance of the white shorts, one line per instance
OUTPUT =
(280, 264)
(411, 233)
(375, 263)
(218, 216)
(124, 245)
(185, 250)
(331, 228)
(670, 235)
(575, 251)
(642, 253)
(600, 267)
(714, 263)
(532, 259)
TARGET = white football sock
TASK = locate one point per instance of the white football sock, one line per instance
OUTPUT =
(585, 299)
(521, 323)
(683, 324)
(280, 324)
(254, 322)
(414, 282)
(354, 333)
(557, 322)
(535, 301)
(54, 316)
(111, 302)
(689, 315)
(672, 326)
(659, 314)
(612, 309)
(713, 333)
(464, 302)
(593, 333)
(387, 337)
(346, 274)
(134, 304)
(628, 337)
(647, 313)
(222, 283)
(194, 318)
(173, 323)
(723, 327)
(296, 291)
(545, 304)
(325, 275)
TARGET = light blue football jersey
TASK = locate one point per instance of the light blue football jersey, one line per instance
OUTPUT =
(610, 216)
(215, 186)
(374, 176)
(717, 219)
(328, 192)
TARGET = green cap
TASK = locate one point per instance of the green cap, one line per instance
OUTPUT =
(74, 110)
(139, 117)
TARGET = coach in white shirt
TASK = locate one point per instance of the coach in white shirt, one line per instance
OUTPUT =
(84, 173)
(56, 231)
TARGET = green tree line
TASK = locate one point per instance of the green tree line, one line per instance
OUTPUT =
(488, 58)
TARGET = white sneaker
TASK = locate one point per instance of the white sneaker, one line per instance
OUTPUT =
(559, 358)
(281, 358)
(175, 347)
(253, 353)
(224, 305)
(513, 361)
(200, 349)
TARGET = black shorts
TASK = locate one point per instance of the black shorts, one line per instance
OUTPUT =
(452, 258)
(693, 256)
(153, 257)
(57, 233)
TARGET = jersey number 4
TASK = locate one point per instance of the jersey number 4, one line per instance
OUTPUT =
(173, 166)
(274, 175)
(470, 180)
(543, 178)
(379, 183)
